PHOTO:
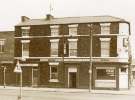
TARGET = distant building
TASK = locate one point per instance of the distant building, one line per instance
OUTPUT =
(133, 72)
(6, 57)
(74, 52)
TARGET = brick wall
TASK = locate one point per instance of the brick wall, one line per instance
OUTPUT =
(8, 54)
(40, 47)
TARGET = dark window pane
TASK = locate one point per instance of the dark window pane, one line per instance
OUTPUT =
(106, 74)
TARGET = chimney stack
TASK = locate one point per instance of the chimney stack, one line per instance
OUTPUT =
(49, 17)
(24, 18)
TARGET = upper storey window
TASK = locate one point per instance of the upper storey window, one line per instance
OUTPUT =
(73, 29)
(2, 45)
(105, 42)
(25, 31)
(54, 47)
(54, 30)
(105, 47)
(72, 47)
(25, 48)
(105, 28)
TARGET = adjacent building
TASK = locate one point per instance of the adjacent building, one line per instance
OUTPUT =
(6, 57)
(74, 52)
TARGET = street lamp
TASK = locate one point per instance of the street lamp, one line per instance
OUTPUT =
(19, 71)
(4, 76)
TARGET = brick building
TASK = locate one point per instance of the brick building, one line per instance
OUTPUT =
(74, 52)
(6, 57)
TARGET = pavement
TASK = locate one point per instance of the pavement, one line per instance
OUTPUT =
(66, 90)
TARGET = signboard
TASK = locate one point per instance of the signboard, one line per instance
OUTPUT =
(18, 68)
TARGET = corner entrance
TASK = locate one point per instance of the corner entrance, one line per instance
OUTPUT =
(72, 77)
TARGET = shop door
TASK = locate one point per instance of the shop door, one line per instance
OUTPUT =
(72, 80)
(35, 76)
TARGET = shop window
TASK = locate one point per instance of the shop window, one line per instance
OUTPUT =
(2, 46)
(105, 74)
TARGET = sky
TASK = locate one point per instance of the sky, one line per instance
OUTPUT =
(12, 10)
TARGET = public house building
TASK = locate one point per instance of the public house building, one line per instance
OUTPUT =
(74, 52)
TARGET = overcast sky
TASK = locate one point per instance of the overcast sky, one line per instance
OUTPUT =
(11, 10)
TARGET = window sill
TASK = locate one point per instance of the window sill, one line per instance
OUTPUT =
(54, 55)
(53, 80)
(25, 57)
(25, 36)
(72, 56)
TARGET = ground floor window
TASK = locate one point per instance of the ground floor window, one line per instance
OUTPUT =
(53, 73)
(105, 77)
(105, 74)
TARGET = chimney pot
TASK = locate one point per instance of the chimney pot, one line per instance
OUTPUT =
(24, 18)
(49, 17)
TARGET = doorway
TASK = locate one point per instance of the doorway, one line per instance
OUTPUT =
(72, 80)
(72, 77)
(35, 74)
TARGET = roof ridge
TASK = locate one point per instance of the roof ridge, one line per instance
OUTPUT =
(73, 20)
(79, 17)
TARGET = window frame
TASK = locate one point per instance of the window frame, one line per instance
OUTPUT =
(54, 42)
(25, 31)
(2, 45)
(25, 42)
(105, 50)
(109, 69)
(52, 65)
(54, 30)
(73, 48)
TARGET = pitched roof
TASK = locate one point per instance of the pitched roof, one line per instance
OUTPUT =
(71, 20)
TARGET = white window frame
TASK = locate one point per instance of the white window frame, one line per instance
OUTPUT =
(25, 42)
(54, 30)
(54, 42)
(73, 29)
(105, 28)
(72, 48)
(2, 45)
(105, 52)
(26, 32)
(53, 64)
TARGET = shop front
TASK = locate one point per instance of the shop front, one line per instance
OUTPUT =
(105, 77)
(111, 76)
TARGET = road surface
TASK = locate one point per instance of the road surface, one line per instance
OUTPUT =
(10, 94)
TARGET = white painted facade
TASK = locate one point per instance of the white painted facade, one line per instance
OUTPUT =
(123, 78)
(122, 41)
